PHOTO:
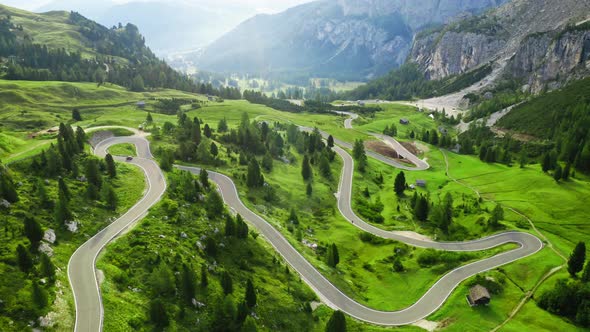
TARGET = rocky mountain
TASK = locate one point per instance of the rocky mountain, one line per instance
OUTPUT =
(349, 39)
(539, 42)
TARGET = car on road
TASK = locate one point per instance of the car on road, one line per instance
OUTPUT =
(129, 158)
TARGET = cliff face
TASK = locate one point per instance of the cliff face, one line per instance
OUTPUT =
(525, 36)
(444, 54)
(352, 39)
(550, 59)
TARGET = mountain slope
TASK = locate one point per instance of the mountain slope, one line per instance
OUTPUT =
(344, 39)
(68, 47)
(528, 37)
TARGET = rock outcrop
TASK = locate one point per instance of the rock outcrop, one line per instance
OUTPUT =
(537, 41)
(551, 59)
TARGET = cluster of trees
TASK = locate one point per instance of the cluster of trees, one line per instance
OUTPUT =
(62, 162)
(409, 81)
(571, 298)
(390, 130)
(194, 142)
(360, 156)
(565, 124)
(65, 160)
(315, 152)
(480, 140)
(435, 138)
(172, 106)
(8, 190)
(441, 215)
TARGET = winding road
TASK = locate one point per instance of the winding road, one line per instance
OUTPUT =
(89, 313)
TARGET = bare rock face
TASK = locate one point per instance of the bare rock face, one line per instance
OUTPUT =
(451, 53)
(539, 41)
(552, 58)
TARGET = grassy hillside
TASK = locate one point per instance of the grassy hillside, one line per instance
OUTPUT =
(30, 107)
(51, 29)
(69, 47)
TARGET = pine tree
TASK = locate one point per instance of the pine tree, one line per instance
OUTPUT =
(137, 85)
(241, 228)
(92, 192)
(222, 126)
(359, 155)
(33, 231)
(204, 178)
(576, 261)
(546, 163)
(566, 172)
(421, 208)
(250, 296)
(149, 119)
(309, 189)
(111, 167)
(337, 322)
(447, 215)
(109, 196)
(226, 283)
(267, 162)
(158, 314)
(254, 178)
(497, 215)
(25, 262)
(7, 189)
(306, 172)
(586, 273)
(333, 256)
(325, 168)
(557, 173)
(330, 141)
(76, 115)
(293, 219)
(204, 278)
(44, 200)
(399, 185)
(214, 150)
(230, 226)
(47, 268)
(189, 280)
(62, 211)
(207, 131)
(92, 173)
(249, 325)
(80, 138)
(40, 297)
(214, 204)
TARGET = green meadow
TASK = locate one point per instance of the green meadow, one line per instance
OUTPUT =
(558, 210)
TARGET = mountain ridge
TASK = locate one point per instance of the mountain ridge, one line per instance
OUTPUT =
(341, 39)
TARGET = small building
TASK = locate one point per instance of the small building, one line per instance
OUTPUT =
(431, 116)
(478, 295)
(421, 183)
(210, 98)
(360, 103)
(443, 130)
(140, 104)
(404, 121)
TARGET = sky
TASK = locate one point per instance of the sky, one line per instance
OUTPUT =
(261, 6)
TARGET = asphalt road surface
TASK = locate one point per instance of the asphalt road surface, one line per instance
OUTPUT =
(81, 272)
(82, 275)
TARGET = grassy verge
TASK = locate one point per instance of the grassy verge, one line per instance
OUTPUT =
(125, 149)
